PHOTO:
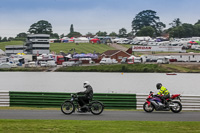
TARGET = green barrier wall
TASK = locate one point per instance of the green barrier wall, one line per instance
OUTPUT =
(55, 99)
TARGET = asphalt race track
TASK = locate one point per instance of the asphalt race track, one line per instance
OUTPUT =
(106, 115)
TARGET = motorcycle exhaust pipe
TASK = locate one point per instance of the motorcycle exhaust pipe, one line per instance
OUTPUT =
(172, 105)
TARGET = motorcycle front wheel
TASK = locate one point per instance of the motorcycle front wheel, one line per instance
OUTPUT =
(148, 108)
(177, 108)
(67, 107)
(96, 108)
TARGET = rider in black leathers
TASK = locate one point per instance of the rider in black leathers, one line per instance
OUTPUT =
(87, 95)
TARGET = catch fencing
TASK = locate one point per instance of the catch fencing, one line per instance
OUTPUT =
(189, 102)
(4, 98)
(110, 100)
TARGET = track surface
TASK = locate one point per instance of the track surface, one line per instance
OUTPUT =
(106, 115)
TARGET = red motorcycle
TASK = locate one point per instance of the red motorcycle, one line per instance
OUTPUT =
(155, 102)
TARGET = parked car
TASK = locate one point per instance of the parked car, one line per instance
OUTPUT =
(72, 62)
(32, 64)
(108, 61)
(163, 60)
(51, 63)
(5, 65)
(43, 63)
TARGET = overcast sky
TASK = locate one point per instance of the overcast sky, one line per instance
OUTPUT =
(17, 16)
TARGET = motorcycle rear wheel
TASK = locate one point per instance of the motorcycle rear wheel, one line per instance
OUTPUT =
(178, 107)
(148, 108)
(67, 107)
(96, 108)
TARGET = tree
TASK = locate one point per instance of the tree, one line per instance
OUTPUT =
(99, 33)
(11, 38)
(197, 30)
(89, 34)
(176, 22)
(54, 35)
(186, 30)
(62, 35)
(74, 34)
(71, 28)
(198, 22)
(122, 32)
(41, 27)
(147, 18)
(113, 34)
(146, 31)
(22, 35)
(4, 39)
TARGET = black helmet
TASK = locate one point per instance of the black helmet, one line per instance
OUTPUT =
(158, 85)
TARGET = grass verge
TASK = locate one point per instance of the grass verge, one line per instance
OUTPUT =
(76, 126)
(115, 68)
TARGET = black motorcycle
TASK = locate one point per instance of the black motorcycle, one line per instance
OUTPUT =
(69, 106)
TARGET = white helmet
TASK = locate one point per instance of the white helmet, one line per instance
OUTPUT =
(86, 83)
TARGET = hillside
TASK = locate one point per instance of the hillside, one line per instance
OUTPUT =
(67, 47)
(3, 44)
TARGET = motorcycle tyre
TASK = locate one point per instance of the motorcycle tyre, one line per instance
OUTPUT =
(102, 108)
(73, 106)
(176, 111)
(148, 111)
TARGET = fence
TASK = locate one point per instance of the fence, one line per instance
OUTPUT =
(110, 100)
(189, 102)
(4, 98)
(49, 99)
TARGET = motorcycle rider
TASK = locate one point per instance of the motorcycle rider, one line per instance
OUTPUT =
(163, 91)
(87, 95)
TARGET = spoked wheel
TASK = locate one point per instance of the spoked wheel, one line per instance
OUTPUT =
(148, 108)
(97, 108)
(67, 107)
(177, 107)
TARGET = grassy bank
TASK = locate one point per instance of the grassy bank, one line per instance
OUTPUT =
(73, 126)
(66, 47)
(115, 68)
(135, 68)
(22, 69)
(80, 48)
(144, 68)
(3, 44)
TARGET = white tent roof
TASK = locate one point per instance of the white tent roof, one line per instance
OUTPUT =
(82, 38)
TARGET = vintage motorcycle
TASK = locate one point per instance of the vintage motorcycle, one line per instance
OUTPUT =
(155, 102)
(69, 106)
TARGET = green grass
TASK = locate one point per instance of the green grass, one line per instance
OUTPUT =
(66, 47)
(116, 68)
(18, 69)
(3, 44)
(80, 48)
(77, 126)
(159, 68)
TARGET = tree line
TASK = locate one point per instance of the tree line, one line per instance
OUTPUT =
(145, 23)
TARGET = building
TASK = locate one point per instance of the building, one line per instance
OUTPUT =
(181, 57)
(115, 54)
(37, 44)
(14, 49)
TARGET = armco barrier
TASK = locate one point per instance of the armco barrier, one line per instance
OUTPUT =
(53, 99)
(4, 98)
(189, 102)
